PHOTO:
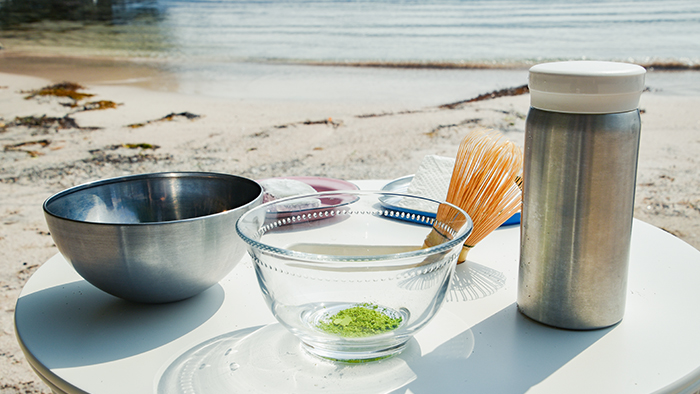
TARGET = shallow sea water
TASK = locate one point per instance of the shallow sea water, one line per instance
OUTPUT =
(263, 49)
(485, 33)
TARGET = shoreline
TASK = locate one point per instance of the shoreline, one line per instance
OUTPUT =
(410, 83)
(271, 80)
(351, 129)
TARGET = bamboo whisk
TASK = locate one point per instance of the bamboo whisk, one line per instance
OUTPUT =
(485, 183)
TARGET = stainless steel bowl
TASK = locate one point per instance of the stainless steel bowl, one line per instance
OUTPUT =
(154, 237)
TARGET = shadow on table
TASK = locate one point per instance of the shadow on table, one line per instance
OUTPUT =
(77, 324)
(511, 353)
(472, 281)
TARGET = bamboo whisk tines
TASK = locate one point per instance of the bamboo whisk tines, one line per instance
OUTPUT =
(485, 183)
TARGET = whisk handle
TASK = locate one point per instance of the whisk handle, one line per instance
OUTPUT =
(463, 254)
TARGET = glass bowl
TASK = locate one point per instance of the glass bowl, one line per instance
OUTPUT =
(353, 280)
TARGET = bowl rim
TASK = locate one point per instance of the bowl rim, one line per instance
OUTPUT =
(133, 177)
(313, 258)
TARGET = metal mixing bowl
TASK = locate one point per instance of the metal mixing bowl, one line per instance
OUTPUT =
(154, 237)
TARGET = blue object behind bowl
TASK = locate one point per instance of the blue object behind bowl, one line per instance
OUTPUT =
(400, 185)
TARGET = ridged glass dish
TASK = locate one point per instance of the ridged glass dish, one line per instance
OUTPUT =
(354, 283)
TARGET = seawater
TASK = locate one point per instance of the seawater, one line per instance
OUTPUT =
(437, 32)
(476, 33)
(206, 42)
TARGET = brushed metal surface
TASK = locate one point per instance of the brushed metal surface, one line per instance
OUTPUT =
(153, 237)
(578, 199)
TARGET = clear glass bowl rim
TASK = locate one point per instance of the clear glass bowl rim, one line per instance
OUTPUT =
(309, 258)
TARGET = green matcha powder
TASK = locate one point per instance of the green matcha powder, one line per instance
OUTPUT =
(362, 320)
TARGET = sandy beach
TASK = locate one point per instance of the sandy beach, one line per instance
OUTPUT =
(47, 147)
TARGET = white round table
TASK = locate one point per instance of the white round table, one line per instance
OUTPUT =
(81, 340)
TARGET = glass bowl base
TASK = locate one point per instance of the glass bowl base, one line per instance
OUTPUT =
(353, 356)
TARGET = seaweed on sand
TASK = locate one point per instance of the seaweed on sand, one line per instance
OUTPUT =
(27, 146)
(70, 90)
(47, 122)
(378, 115)
(63, 89)
(142, 145)
(102, 156)
(516, 91)
(329, 122)
(95, 106)
(166, 118)
(437, 129)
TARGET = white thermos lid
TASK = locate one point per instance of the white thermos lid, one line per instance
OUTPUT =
(586, 87)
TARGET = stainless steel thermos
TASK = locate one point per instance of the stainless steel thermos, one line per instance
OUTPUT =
(581, 146)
